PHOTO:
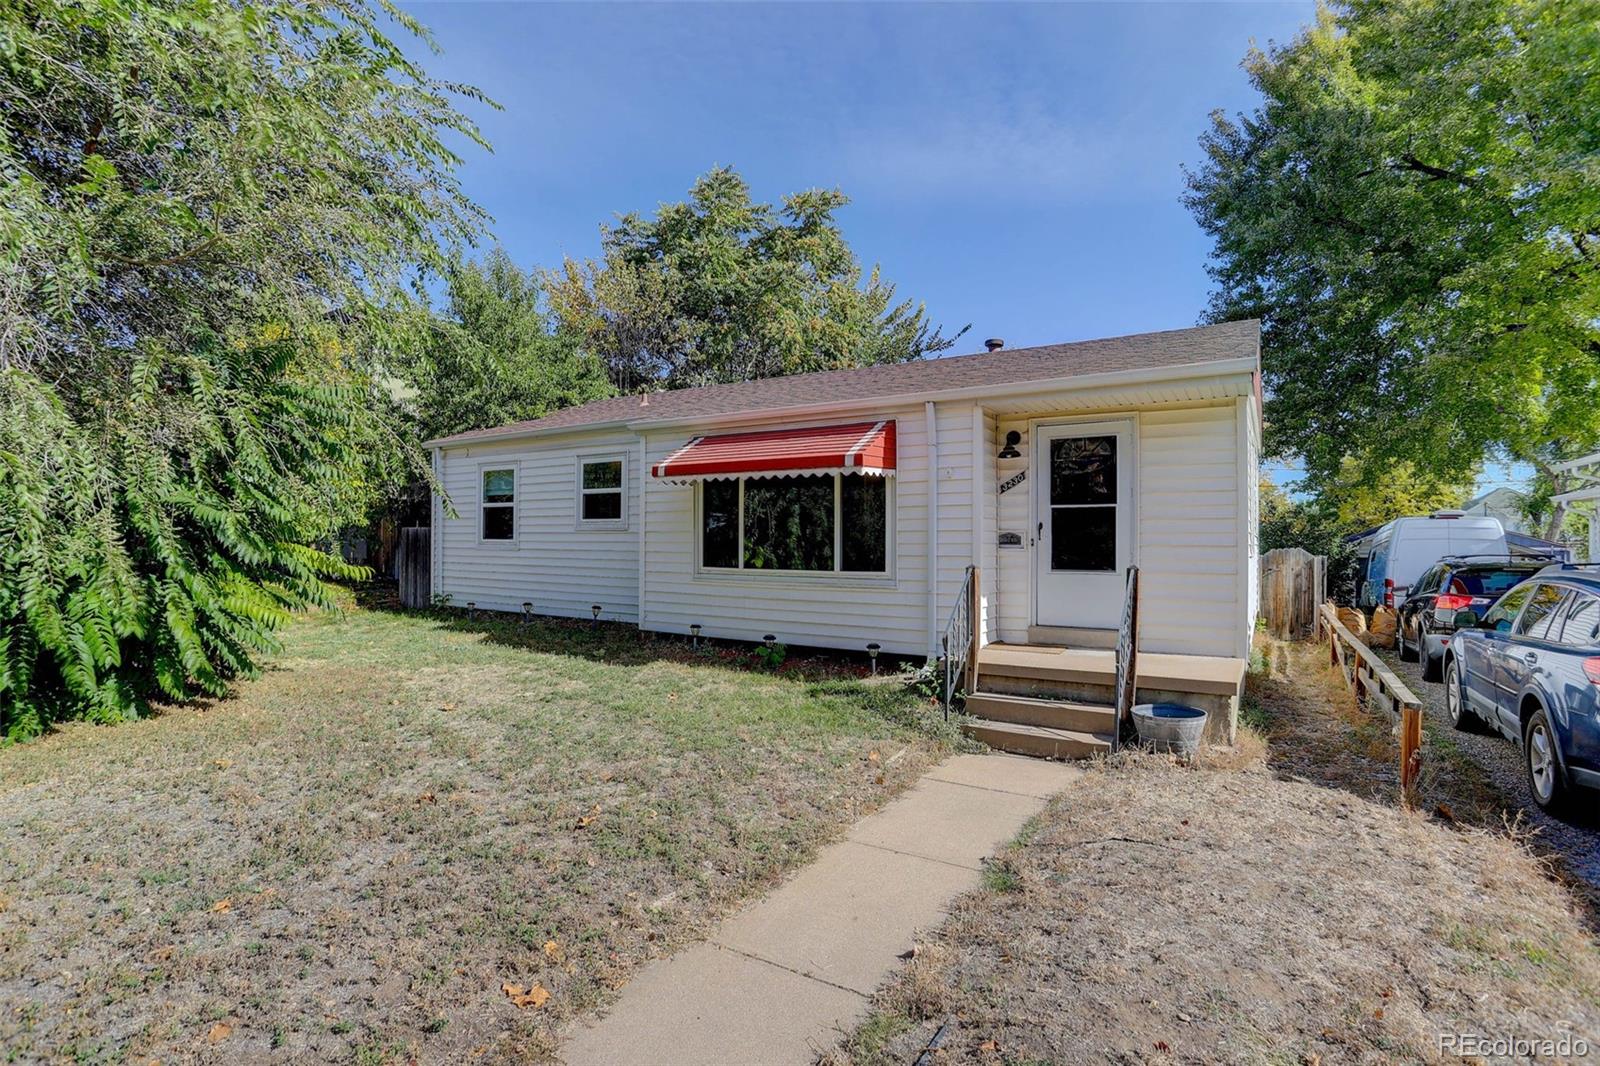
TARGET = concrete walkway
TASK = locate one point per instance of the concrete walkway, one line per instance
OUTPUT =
(780, 981)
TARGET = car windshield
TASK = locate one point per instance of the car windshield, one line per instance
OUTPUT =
(1485, 582)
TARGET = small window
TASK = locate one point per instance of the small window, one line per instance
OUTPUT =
(1582, 627)
(600, 491)
(499, 505)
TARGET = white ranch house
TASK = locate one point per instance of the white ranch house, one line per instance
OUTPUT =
(845, 508)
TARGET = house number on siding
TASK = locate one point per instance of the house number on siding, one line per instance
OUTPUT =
(1012, 482)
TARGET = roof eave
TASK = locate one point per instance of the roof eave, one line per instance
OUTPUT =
(1143, 375)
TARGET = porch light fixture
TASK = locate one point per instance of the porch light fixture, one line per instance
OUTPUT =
(594, 609)
(694, 631)
(872, 653)
(1013, 438)
(527, 612)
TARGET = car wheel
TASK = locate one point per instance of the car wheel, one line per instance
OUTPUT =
(1407, 653)
(1455, 700)
(1544, 769)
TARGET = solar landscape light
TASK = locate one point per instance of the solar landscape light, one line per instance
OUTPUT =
(872, 653)
(594, 609)
(472, 609)
(527, 612)
(769, 640)
(694, 631)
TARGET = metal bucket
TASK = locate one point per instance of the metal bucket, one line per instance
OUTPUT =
(1170, 726)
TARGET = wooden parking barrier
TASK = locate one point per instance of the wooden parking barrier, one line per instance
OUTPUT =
(1370, 678)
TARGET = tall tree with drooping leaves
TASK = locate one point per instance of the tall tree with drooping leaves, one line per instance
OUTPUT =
(495, 354)
(721, 288)
(1414, 214)
(212, 214)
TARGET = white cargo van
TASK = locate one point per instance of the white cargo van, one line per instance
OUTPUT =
(1395, 554)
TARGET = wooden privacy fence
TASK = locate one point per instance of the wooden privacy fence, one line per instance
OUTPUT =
(1293, 584)
(413, 566)
(1370, 678)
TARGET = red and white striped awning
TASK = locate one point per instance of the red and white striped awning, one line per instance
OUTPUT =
(856, 448)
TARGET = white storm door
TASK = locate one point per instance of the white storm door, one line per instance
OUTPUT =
(1083, 510)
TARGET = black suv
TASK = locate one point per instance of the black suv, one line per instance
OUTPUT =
(1455, 583)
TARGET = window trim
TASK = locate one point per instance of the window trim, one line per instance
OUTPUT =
(484, 467)
(869, 578)
(598, 524)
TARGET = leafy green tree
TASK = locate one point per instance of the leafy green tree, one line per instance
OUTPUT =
(496, 356)
(211, 213)
(719, 288)
(1363, 495)
(1414, 214)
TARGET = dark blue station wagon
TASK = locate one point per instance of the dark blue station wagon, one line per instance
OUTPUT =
(1530, 668)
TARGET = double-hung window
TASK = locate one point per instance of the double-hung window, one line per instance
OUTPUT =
(602, 493)
(814, 524)
(498, 508)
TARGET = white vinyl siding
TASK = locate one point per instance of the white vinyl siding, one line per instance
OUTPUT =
(831, 610)
(1195, 521)
(1186, 531)
(557, 563)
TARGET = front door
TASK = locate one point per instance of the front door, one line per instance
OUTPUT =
(1083, 536)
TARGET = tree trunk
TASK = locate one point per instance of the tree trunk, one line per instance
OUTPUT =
(1558, 518)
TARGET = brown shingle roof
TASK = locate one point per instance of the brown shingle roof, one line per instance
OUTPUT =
(1014, 366)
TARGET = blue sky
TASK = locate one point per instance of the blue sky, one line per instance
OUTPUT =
(1016, 167)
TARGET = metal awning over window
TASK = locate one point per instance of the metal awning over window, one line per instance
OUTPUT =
(856, 448)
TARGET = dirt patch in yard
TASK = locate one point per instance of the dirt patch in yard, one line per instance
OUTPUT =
(414, 839)
(1284, 910)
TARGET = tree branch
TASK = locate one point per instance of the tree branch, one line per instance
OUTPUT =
(1411, 162)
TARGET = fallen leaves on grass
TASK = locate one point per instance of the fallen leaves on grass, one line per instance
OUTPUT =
(223, 905)
(588, 819)
(222, 764)
(521, 998)
(219, 1032)
(553, 952)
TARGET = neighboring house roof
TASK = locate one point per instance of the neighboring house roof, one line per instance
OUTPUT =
(1170, 349)
(1500, 496)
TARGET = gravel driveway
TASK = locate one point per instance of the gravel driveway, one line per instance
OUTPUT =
(1575, 840)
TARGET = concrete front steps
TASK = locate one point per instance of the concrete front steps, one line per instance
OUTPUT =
(1056, 702)
(1029, 724)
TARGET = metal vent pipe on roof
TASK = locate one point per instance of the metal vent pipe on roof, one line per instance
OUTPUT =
(994, 344)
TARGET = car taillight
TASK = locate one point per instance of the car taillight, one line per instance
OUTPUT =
(1451, 601)
(1388, 592)
(1591, 669)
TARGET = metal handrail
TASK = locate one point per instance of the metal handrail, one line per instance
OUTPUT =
(958, 635)
(1127, 658)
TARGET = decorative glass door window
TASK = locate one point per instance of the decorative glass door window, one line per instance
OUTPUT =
(1083, 503)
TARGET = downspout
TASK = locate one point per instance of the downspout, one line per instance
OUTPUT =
(932, 423)
(436, 520)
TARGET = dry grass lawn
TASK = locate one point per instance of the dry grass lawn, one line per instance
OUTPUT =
(1225, 913)
(395, 844)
